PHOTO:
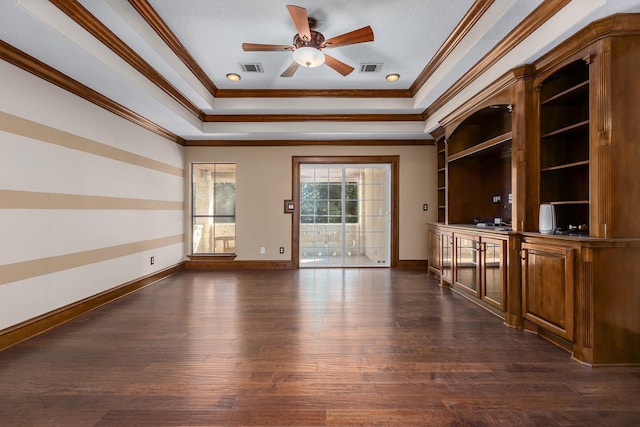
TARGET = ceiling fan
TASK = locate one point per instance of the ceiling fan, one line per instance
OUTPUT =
(308, 44)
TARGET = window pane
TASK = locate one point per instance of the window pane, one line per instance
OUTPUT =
(351, 208)
(203, 189)
(351, 191)
(213, 196)
(225, 198)
(321, 219)
(307, 191)
(325, 198)
(335, 191)
(322, 208)
(306, 208)
(322, 191)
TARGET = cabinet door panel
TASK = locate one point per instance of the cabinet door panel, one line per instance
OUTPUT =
(547, 288)
(435, 264)
(446, 257)
(467, 263)
(494, 272)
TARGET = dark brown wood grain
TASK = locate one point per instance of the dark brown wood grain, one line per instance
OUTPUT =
(313, 347)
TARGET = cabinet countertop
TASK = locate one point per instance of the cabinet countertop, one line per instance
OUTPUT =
(531, 235)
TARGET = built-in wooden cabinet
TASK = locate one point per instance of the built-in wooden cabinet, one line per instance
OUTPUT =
(561, 131)
(475, 264)
(563, 99)
(441, 180)
(478, 165)
(480, 268)
(582, 293)
(548, 288)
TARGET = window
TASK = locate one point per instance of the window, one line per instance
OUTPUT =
(321, 202)
(213, 217)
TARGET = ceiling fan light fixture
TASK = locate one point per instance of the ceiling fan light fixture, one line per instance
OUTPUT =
(233, 77)
(393, 77)
(309, 57)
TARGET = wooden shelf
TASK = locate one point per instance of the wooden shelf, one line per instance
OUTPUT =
(570, 202)
(481, 146)
(566, 166)
(566, 128)
(572, 91)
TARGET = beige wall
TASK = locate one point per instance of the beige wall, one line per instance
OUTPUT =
(86, 198)
(264, 180)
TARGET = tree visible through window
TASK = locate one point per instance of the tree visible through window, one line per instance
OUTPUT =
(213, 208)
(321, 202)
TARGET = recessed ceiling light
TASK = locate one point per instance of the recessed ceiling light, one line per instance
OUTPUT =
(233, 77)
(392, 77)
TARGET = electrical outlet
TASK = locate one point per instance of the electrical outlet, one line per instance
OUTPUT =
(425, 207)
(263, 250)
(281, 249)
(496, 199)
(152, 260)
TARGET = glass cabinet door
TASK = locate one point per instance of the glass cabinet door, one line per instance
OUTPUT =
(493, 271)
(467, 263)
(446, 257)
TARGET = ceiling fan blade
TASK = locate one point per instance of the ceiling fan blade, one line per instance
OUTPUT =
(301, 21)
(247, 47)
(339, 66)
(364, 34)
(291, 70)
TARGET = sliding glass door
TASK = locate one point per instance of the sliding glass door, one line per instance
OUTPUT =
(344, 215)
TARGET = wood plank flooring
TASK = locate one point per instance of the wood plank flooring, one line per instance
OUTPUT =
(310, 347)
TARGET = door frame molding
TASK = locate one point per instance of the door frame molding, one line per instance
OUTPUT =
(394, 164)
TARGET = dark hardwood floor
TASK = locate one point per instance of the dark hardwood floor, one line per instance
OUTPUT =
(312, 347)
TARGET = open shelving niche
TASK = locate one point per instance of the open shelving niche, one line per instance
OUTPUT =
(442, 174)
(479, 167)
(564, 144)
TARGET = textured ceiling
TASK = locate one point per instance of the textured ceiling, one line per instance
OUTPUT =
(431, 44)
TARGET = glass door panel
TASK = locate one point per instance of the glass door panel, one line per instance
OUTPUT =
(494, 272)
(447, 257)
(467, 263)
(344, 215)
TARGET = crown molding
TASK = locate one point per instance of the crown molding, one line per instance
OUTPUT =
(148, 13)
(298, 143)
(310, 93)
(531, 23)
(40, 69)
(472, 16)
(235, 118)
(74, 10)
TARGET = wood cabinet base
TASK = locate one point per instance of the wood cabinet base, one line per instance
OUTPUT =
(584, 295)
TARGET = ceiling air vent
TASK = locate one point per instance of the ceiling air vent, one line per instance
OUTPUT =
(251, 68)
(370, 68)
